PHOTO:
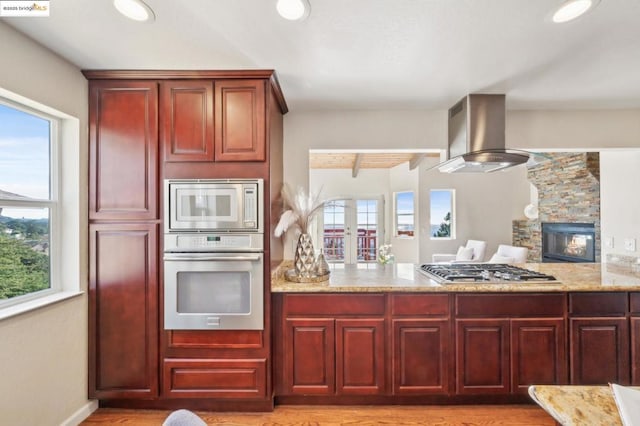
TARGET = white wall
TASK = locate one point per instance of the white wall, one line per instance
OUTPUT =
(401, 179)
(619, 200)
(43, 355)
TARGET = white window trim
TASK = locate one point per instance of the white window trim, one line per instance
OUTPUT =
(63, 285)
(395, 216)
(452, 228)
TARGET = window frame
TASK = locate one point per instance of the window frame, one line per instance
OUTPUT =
(452, 225)
(52, 204)
(396, 214)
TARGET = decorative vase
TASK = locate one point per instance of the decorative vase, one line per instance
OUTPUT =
(304, 259)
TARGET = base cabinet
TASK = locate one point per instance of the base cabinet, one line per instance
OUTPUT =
(599, 351)
(215, 378)
(421, 356)
(327, 356)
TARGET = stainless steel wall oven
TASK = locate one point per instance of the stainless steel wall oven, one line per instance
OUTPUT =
(214, 255)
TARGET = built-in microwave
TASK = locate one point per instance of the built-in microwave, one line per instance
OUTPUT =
(213, 205)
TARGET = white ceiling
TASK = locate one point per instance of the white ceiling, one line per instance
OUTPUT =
(365, 54)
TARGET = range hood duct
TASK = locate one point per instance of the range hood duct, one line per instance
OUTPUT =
(477, 137)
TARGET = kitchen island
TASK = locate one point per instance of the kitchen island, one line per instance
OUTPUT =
(389, 334)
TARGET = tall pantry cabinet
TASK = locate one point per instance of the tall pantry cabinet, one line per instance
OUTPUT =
(146, 126)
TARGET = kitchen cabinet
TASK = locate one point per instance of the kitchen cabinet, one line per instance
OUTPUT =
(333, 345)
(123, 306)
(123, 150)
(186, 117)
(207, 120)
(241, 121)
(506, 342)
(599, 338)
(634, 326)
(144, 127)
(420, 344)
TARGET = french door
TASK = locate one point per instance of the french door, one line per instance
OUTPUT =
(352, 230)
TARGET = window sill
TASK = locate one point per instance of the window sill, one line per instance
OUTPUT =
(31, 305)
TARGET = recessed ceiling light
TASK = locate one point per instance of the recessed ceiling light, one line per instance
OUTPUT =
(572, 9)
(134, 9)
(293, 10)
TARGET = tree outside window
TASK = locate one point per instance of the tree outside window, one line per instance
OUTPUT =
(441, 213)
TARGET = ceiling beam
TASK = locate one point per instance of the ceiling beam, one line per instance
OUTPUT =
(416, 160)
(356, 165)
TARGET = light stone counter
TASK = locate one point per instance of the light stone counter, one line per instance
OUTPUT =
(405, 277)
(578, 405)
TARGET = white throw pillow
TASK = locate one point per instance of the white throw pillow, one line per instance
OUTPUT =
(496, 258)
(464, 254)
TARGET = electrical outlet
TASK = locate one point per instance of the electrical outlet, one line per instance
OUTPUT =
(608, 242)
(630, 244)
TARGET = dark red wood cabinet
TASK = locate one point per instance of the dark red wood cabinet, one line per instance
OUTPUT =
(506, 342)
(123, 306)
(333, 345)
(123, 150)
(145, 126)
(599, 338)
(187, 122)
(421, 354)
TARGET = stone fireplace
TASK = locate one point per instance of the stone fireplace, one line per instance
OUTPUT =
(568, 187)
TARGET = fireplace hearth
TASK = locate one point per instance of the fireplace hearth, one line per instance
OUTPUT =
(568, 242)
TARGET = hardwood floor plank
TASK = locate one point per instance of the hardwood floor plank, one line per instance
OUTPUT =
(457, 415)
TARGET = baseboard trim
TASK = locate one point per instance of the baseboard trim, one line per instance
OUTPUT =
(82, 414)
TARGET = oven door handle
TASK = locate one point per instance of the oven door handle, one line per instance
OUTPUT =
(209, 256)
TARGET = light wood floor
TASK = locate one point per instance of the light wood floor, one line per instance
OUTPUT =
(467, 415)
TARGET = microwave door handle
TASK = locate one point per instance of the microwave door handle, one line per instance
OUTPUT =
(208, 256)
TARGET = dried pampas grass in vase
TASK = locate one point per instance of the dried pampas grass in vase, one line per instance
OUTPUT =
(299, 208)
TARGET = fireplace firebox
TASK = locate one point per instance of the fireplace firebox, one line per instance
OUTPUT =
(568, 242)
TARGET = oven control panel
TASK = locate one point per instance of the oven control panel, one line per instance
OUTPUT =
(212, 242)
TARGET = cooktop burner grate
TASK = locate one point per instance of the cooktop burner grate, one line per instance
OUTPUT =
(494, 272)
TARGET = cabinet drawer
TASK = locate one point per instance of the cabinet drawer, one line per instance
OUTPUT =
(420, 304)
(214, 378)
(598, 303)
(510, 305)
(333, 304)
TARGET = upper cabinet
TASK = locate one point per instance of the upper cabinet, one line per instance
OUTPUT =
(123, 150)
(213, 120)
(186, 117)
(240, 110)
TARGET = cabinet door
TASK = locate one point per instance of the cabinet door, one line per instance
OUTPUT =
(309, 348)
(421, 356)
(482, 358)
(240, 120)
(599, 351)
(538, 354)
(123, 302)
(635, 351)
(186, 114)
(360, 356)
(123, 150)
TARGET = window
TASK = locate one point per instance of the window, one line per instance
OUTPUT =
(404, 214)
(442, 213)
(28, 203)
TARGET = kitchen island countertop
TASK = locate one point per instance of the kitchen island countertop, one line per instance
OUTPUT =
(404, 277)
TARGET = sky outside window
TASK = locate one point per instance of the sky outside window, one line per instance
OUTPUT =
(24, 156)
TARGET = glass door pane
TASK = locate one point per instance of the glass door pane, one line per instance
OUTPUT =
(367, 226)
(333, 233)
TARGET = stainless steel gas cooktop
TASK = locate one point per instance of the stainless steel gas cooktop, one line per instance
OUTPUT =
(481, 272)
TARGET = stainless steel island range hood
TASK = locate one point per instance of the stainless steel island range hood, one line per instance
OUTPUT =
(477, 136)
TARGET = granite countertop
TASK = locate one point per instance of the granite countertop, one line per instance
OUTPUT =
(373, 277)
(577, 405)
